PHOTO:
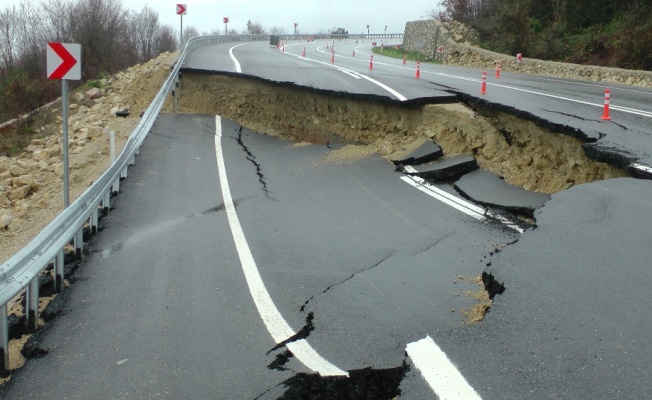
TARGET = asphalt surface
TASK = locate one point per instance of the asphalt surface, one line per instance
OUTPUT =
(361, 266)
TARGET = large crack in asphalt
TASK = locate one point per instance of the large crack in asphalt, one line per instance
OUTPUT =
(361, 384)
(303, 333)
(528, 151)
(252, 158)
(303, 307)
(434, 244)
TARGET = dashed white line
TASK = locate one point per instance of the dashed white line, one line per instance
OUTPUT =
(271, 316)
(440, 373)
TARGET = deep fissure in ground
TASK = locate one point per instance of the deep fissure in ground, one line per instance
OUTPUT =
(522, 152)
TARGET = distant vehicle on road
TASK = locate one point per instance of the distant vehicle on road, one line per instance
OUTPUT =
(341, 33)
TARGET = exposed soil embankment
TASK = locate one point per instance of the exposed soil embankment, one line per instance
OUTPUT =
(523, 153)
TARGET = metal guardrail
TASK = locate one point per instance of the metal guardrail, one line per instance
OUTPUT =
(21, 271)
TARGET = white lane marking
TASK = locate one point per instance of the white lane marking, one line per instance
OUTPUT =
(642, 167)
(238, 68)
(271, 316)
(351, 72)
(356, 76)
(595, 85)
(477, 212)
(440, 373)
(629, 110)
(468, 209)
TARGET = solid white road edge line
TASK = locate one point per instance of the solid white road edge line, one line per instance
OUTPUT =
(351, 72)
(238, 68)
(440, 373)
(271, 316)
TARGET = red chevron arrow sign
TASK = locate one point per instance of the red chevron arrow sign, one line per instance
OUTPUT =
(181, 9)
(64, 61)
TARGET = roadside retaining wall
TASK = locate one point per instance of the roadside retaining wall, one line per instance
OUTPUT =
(430, 34)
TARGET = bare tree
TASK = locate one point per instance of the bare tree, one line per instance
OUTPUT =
(213, 32)
(8, 33)
(100, 26)
(145, 26)
(275, 30)
(165, 40)
(188, 33)
(58, 15)
(255, 28)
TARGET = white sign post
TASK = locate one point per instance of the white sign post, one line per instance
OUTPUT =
(181, 11)
(64, 63)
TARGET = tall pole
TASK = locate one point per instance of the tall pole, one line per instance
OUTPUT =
(64, 116)
(181, 34)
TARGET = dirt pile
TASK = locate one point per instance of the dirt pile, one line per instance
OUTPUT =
(31, 183)
(524, 154)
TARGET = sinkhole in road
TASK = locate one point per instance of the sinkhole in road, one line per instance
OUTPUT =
(529, 154)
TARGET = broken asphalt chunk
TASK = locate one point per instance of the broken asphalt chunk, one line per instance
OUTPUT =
(490, 190)
(446, 169)
(427, 152)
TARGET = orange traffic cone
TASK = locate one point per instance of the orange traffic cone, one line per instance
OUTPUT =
(605, 112)
(483, 89)
(418, 69)
(371, 62)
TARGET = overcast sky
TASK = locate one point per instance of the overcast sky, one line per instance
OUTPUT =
(310, 15)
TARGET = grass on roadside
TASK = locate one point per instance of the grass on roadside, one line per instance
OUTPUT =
(392, 51)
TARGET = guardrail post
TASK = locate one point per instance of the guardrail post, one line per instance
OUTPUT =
(58, 271)
(133, 159)
(79, 241)
(106, 203)
(31, 316)
(4, 339)
(95, 218)
(116, 186)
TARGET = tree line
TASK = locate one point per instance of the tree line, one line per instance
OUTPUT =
(111, 37)
(616, 33)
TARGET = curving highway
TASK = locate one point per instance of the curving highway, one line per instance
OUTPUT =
(235, 265)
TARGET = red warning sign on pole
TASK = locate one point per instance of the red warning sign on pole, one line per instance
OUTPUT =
(182, 9)
(64, 61)
(226, 20)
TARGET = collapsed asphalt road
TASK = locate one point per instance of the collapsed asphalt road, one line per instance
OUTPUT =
(359, 265)
(358, 261)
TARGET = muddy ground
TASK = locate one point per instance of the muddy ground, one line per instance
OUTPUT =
(525, 154)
